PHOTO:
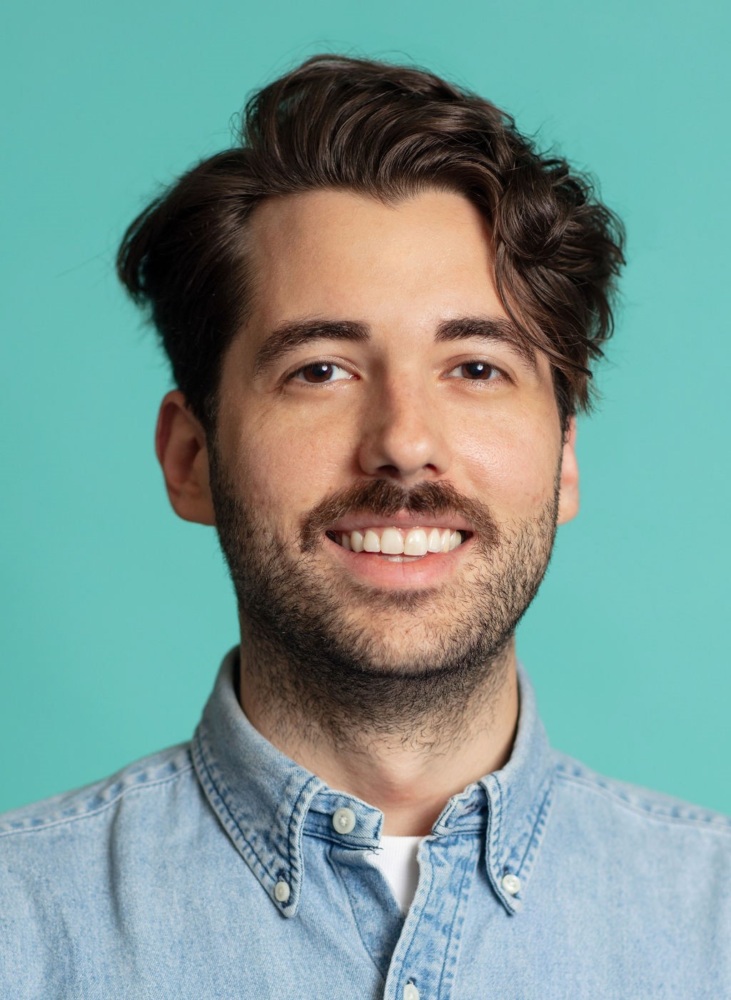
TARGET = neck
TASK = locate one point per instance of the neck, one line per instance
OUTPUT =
(404, 744)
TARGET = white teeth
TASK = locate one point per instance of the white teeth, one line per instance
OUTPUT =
(392, 542)
(397, 541)
(415, 543)
(371, 541)
(435, 540)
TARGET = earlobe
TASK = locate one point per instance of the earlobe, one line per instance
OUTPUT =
(568, 503)
(182, 451)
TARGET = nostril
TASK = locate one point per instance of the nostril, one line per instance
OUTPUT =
(390, 471)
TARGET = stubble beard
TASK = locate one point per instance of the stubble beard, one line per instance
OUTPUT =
(324, 653)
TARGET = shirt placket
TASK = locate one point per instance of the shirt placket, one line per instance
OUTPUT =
(424, 963)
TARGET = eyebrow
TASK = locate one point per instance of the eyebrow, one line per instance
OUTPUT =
(287, 337)
(489, 328)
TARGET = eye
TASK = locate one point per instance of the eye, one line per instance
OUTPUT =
(319, 373)
(476, 371)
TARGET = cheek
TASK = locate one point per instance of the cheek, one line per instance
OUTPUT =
(513, 468)
(286, 470)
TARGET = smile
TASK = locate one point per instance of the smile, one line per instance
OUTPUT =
(390, 541)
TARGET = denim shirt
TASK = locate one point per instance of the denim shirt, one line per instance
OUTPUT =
(221, 868)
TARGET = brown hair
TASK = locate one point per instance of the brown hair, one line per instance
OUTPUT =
(386, 131)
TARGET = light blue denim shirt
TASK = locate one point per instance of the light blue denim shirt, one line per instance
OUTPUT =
(216, 869)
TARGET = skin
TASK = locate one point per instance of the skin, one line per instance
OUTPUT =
(398, 407)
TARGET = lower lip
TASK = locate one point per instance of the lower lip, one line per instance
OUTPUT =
(400, 572)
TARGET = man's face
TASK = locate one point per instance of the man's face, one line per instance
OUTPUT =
(376, 399)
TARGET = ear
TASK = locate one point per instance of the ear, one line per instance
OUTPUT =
(182, 451)
(568, 503)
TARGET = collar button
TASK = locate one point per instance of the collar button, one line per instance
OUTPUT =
(343, 820)
(511, 884)
(282, 891)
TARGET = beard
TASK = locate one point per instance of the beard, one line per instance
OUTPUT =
(327, 651)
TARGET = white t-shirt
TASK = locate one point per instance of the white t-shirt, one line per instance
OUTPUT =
(397, 860)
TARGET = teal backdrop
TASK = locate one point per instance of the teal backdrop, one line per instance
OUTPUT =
(115, 614)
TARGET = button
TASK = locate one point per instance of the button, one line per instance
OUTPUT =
(281, 891)
(344, 820)
(511, 884)
(411, 992)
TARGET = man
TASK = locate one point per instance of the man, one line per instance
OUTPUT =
(380, 311)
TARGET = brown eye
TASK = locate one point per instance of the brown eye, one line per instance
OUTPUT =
(478, 370)
(320, 372)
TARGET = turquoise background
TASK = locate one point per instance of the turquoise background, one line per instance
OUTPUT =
(116, 614)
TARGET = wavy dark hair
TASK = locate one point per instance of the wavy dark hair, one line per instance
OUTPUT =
(389, 132)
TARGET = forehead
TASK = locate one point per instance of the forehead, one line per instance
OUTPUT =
(425, 258)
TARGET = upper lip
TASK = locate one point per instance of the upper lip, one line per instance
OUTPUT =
(404, 520)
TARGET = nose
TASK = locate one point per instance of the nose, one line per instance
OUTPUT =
(402, 436)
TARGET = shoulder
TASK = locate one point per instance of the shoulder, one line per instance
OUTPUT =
(637, 837)
(636, 804)
(61, 859)
(73, 866)
(155, 777)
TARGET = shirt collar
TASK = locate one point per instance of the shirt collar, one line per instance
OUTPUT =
(519, 797)
(264, 800)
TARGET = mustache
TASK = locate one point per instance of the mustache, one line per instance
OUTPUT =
(385, 498)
